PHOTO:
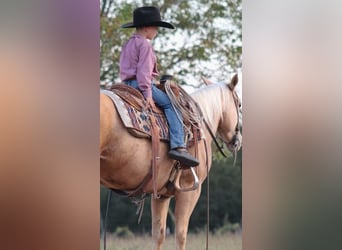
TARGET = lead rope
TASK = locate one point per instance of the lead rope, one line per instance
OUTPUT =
(235, 155)
(196, 116)
(207, 165)
(185, 104)
(106, 215)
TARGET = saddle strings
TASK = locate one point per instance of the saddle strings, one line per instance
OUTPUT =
(186, 105)
(191, 111)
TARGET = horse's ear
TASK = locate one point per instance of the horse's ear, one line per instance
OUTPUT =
(206, 80)
(234, 81)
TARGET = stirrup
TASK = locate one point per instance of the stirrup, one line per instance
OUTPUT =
(185, 189)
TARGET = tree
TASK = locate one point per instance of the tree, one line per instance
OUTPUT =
(207, 40)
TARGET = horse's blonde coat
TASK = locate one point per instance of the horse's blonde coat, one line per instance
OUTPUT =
(126, 160)
(213, 106)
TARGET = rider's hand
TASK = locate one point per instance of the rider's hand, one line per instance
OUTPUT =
(150, 102)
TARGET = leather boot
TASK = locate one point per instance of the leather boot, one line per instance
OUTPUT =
(184, 157)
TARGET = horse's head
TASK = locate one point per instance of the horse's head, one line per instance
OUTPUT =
(220, 106)
(229, 126)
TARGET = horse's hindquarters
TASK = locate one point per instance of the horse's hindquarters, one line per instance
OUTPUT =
(107, 121)
(125, 160)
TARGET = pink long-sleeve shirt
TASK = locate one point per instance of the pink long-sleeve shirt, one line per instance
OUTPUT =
(138, 60)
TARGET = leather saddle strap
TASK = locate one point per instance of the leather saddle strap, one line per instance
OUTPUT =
(155, 153)
(140, 189)
(195, 138)
(132, 96)
(130, 99)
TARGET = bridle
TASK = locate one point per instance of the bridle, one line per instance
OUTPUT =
(235, 141)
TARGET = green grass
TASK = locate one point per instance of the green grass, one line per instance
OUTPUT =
(194, 242)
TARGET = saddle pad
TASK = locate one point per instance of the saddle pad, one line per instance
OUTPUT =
(137, 122)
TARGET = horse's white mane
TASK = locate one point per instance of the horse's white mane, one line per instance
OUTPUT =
(212, 99)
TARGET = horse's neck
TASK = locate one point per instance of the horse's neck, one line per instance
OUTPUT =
(211, 107)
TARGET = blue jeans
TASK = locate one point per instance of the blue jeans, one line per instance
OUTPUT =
(176, 131)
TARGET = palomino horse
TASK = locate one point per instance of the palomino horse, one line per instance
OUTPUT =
(126, 160)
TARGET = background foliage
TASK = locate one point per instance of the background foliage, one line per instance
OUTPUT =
(207, 40)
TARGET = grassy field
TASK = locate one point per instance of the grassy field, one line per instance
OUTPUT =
(194, 242)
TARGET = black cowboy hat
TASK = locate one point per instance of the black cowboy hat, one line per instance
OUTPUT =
(147, 16)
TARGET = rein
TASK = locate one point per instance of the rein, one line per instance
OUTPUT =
(235, 137)
(214, 139)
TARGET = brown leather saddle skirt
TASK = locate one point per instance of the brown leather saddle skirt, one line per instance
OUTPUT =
(131, 106)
